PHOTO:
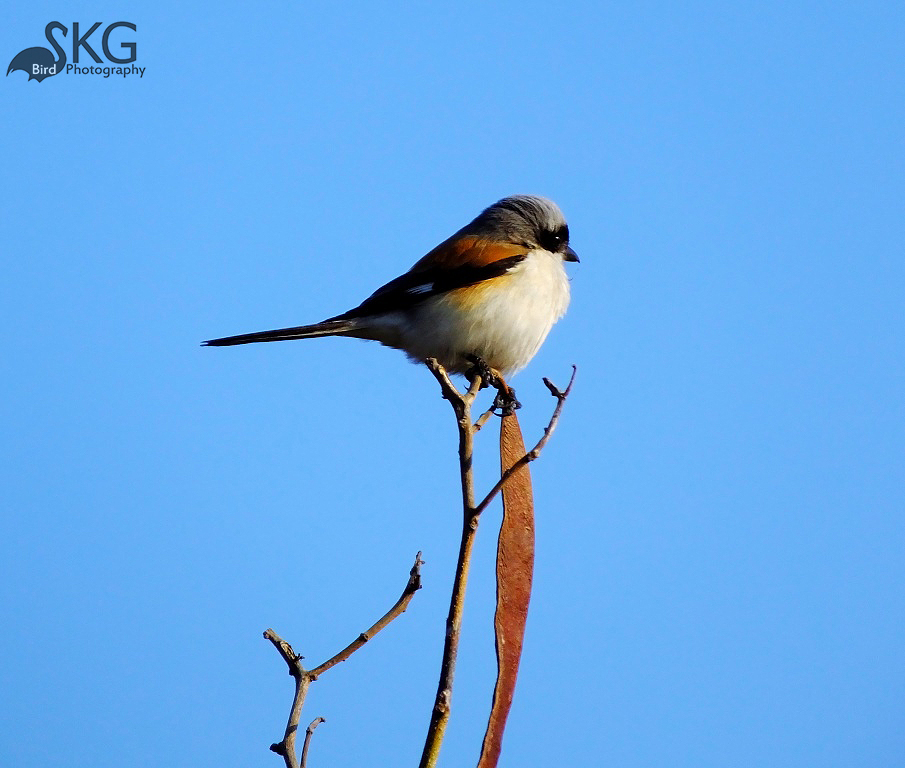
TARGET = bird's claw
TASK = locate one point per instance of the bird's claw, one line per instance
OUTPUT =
(506, 402)
(485, 372)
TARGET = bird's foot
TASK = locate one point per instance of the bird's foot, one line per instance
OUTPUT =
(506, 401)
(480, 369)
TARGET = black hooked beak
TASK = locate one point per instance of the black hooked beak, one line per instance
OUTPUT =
(570, 255)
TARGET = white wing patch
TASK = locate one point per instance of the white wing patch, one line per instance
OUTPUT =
(417, 290)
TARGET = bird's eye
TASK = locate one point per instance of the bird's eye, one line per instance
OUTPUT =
(554, 241)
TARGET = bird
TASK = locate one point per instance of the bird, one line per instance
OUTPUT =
(483, 300)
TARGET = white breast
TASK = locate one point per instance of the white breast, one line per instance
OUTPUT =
(503, 321)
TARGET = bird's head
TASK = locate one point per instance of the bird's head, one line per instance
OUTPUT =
(527, 220)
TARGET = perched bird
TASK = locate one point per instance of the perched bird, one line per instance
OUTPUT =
(486, 297)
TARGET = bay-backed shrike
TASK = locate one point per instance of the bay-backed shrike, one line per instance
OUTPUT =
(487, 296)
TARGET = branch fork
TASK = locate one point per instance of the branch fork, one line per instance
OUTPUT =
(462, 403)
(304, 677)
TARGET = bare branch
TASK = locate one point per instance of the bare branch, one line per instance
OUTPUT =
(303, 678)
(447, 388)
(440, 714)
(475, 386)
(413, 585)
(289, 656)
(461, 404)
(457, 398)
(534, 452)
(308, 731)
(286, 747)
(482, 419)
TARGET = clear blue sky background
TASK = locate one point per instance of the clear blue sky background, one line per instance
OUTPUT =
(720, 572)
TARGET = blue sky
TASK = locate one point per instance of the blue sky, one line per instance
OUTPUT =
(720, 514)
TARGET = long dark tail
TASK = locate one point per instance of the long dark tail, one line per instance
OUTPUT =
(326, 328)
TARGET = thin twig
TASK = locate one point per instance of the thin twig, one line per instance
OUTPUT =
(413, 585)
(534, 452)
(303, 677)
(447, 388)
(308, 731)
(461, 403)
(482, 419)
